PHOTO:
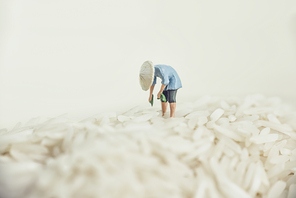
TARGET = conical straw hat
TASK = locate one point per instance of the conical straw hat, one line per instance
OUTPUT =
(146, 75)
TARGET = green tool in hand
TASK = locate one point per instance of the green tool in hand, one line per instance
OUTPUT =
(162, 98)
(151, 101)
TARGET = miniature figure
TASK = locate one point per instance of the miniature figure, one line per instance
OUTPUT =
(170, 83)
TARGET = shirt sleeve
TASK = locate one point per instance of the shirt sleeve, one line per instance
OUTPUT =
(165, 80)
(154, 81)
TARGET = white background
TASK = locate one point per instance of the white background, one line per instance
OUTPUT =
(83, 57)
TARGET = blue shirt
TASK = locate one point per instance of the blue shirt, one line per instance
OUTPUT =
(168, 76)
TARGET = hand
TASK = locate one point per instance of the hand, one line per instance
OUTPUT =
(158, 95)
(150, 98)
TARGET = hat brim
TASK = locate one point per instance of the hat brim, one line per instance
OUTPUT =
(146, 76)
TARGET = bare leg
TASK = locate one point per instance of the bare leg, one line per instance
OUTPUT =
(164, 107)
(173, 108)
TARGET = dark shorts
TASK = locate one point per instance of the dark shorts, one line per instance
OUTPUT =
(170, 95)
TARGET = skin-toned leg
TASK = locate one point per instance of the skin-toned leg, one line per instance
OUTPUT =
(173, 108)
(164, 107)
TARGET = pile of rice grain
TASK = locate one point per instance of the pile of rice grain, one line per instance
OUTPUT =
(215, 147)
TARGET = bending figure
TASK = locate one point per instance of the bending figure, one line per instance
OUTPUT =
(170, 83)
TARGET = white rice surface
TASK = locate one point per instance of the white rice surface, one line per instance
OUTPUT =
(215, 147)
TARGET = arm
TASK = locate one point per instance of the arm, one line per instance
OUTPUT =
(151, 91)
(161, 90)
